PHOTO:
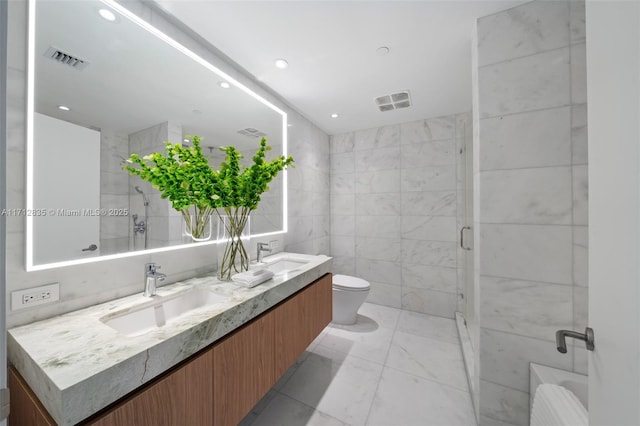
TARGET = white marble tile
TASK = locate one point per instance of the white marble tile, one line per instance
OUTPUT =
(385, 294)
(579, 148)
(343, 183)
(577, 20)
(530, 252)
(505, 358)
(505, 404)
(344, 246)
(578, 73)
(343, 225)
(437, 253)
(436, 153)
(343, 204)
(379, 248)
(580, 195)
(300, 202)
(378, 159)
(321, 246)
(434, 203)
(379, 137)
(520, 31)
(427, 130)
(526, 308)
(343, 163)
(580, 360)
(385, 204)
(335, 384)
(423, 325)
(300, 229)
(433, 228)
(528, 196)
(378, 270)
(377, 182)
(531, 139)
(530, 83)
(580, 309)
(378, 226)
(581, 256)
(343, 265)
(285, 411)
(429, 277)
(383, 316)
(432, 178)
(403, 399)
(488, 421)
(429, 302)
(370, 344)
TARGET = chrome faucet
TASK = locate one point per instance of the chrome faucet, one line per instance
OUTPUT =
(262, 247)
(151, 278)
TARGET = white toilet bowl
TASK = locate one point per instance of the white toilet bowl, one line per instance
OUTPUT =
(349, 293)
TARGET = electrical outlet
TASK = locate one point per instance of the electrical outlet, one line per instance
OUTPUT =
(35, 296)
(274, 244)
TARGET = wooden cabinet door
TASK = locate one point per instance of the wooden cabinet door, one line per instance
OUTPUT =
(26, 409)
(299, 320)
(243, 370)
(183, 397)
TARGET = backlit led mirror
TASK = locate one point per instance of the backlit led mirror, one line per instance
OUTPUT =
(104, 84)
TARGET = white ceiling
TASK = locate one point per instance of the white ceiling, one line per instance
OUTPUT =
(331, 50)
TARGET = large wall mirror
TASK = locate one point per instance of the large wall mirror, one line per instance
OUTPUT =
(104, 84)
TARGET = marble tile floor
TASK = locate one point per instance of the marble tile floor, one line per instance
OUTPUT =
(392, 368)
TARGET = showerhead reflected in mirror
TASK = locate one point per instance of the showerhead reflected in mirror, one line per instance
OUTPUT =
(126, 88)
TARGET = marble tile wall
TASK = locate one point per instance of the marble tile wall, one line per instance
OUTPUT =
(114, 192)
(394, 211)
(532, 193)
(87, 284)
(164, 224)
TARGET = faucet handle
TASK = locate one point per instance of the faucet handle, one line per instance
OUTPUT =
(151, 268)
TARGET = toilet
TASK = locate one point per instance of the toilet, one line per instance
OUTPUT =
(349, 293)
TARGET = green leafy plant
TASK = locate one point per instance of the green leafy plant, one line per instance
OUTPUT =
(184, 177)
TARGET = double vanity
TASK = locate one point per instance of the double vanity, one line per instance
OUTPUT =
(201, 351)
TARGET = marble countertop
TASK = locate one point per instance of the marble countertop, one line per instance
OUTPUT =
(77, 365)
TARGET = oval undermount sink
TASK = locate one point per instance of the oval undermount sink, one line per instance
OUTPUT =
(150, 317)
(285, 264)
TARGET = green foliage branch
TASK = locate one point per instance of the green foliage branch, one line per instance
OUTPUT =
(184, 177)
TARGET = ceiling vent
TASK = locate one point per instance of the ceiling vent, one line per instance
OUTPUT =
(394, 101)
(65, 58)
(252, 133)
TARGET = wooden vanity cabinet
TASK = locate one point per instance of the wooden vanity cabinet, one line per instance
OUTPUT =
(218, 386)
(182, 397)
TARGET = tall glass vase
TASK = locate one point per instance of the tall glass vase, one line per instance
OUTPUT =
(233, 237)
(197, 223)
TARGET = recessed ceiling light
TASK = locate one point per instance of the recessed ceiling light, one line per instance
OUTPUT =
(107, 14)
(224, 84)
(383, 50)
(281, 63)
(334, 115)
(64, 108)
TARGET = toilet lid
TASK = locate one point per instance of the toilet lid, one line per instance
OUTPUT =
(347, 282)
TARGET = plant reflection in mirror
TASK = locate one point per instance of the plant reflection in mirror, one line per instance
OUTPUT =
(184, 177)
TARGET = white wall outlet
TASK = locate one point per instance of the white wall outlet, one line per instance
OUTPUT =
(35, 296)
(274, 244)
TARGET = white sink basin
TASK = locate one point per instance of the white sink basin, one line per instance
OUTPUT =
(286, 264)
(150, 317)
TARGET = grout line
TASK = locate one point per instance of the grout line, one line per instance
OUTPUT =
(386, 358)
(516, 58)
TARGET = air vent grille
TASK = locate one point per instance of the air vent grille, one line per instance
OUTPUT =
(394, 101)
(65, 58)
(252, 133)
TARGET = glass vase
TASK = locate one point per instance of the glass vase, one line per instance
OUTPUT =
(233, 237)
(197, 225)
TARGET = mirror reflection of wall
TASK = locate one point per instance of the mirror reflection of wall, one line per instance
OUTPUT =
(136, 92)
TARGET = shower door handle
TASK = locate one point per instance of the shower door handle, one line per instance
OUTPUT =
(462, 237)
(92, 247)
